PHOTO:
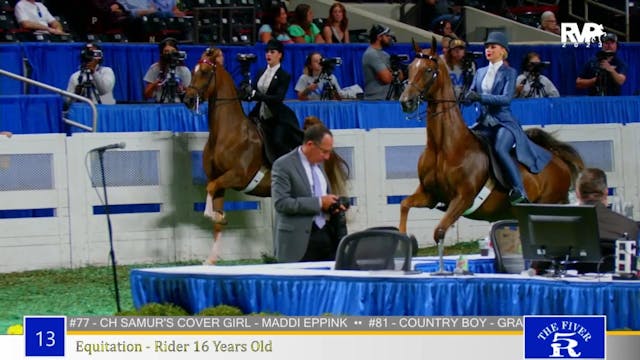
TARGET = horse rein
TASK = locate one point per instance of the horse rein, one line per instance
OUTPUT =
(423, 92)
(199, 92)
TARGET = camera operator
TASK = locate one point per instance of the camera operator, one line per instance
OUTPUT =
(318, 81)
(376, 64)
(531, 84)
(93, 81)
(604, 74)
(168, 78)
(461, 66)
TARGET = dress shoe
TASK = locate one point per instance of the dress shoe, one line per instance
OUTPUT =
(516, 197)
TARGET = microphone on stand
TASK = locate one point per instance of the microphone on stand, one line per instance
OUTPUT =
(120, 145)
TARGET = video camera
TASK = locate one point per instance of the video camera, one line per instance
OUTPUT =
(469, 59)
(536, 67)
(603, 55)
(329, 64)
(342, 200)
(246, 58)
(176, 57)
(396, 60)
(89, 55)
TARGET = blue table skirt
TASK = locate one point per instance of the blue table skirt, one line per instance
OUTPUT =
(314, 292)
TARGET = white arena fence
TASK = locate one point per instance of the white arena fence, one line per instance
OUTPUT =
(52, 214)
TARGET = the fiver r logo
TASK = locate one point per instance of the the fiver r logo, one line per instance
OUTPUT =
(572, 337)
(590, 34)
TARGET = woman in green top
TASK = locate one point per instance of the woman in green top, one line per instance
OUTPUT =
(303, 30)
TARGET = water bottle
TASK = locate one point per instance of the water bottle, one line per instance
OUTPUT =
(484, 246)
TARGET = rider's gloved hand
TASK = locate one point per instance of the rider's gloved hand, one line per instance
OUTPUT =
(471, 97)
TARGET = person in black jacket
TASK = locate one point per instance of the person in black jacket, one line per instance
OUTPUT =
(279, 123)
(592, 189)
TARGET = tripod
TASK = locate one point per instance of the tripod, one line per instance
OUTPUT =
(467, 72)
(170, 87)
(601, 83)
(396, 87)
(537, 89)
(86, 88)
(329, 91)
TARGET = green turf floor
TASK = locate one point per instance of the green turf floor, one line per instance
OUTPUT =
(90, 291)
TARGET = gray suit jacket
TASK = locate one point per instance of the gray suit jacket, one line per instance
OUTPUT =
(295, 207)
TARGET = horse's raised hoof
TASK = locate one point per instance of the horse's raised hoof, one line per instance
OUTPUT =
(217, 217)
(209, 262)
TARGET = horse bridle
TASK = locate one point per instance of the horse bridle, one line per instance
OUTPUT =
(423, 92)
(199, 92)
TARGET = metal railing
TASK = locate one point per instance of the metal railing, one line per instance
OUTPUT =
(626, 32)
(94, 110)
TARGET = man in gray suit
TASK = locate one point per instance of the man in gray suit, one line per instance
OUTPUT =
(302, 230)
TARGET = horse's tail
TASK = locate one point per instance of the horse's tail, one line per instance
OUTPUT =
(567, 153)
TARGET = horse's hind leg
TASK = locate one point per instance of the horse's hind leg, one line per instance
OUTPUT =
(418, 199)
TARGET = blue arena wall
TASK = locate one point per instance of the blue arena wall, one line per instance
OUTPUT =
(38, 114)
(53, 63)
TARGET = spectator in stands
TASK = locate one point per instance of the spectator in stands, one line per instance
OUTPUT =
(35, 16)
(279, 122)
(376, 63)
(591, 189)
(532, 84)
(303, 29)
(97, 16)
(316, 84)
(548, 22)
(493, 87)
(604, 74)
(444, 44)
(139, 8)
(303, 200)
(167, 79)
(444, 28)
(336, 28)
(168, 8)
(93, 81)
(461, 69)
(6, 133)
(275, 25)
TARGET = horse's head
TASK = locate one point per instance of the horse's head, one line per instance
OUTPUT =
(203, 82)
(423, 75)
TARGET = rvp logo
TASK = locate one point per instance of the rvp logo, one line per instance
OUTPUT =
(571, 34)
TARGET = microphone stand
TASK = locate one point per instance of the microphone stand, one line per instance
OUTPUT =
(112, 253)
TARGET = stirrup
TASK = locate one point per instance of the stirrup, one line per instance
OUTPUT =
(517, 197)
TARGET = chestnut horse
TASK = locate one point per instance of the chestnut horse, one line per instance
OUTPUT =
(454, 168)
(233, 157)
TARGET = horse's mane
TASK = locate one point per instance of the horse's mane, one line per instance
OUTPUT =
(336, 167)
(567, 153)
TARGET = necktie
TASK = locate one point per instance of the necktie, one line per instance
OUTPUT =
(317, 191)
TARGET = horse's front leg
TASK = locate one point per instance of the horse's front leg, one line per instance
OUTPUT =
(457, 207)
(418, 199)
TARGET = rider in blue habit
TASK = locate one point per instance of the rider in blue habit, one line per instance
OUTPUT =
(493, 87)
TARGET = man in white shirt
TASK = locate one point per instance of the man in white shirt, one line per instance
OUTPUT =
(35, 16)
(93, 81)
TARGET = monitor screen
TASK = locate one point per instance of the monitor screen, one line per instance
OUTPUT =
(559, 232)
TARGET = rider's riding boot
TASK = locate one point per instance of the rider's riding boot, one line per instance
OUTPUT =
(517, 194)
